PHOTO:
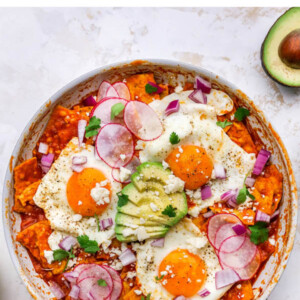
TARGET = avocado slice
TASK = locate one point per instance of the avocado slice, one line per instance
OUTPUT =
(275, 57)
(147, 201)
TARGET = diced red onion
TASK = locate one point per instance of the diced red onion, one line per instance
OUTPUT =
(205, 192)
(262, 217)
(261, 160)
(106, 223)
(74, 293)
(67, 243)
(228, 195)
(56, 290)
(172, 107)
(219, 171)
(180, 298)
(249, 182)
(43, 148)
(208, 214)
(202, 84)
(158, 243)
(274, 216)
(71, 276)
(127, 257)
(77, 168)
(47, 160)
(79, 160)
(239, 229)
(89, 101)
(81, 131)
(45, 169)
(226, 277)
(232, 202)
(159, 89)
(198, 97)
(204, 293)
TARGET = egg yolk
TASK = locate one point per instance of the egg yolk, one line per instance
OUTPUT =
(184, 273)
(191, 164)
(79, 192)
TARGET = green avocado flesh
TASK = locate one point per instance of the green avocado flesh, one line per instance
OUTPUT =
(137, 220)
(271, 61)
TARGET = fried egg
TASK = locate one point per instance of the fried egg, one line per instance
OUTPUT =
(185, 265)
(72, 199)
(202, 145)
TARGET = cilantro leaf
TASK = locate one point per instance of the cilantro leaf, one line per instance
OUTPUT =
(150, 89)
(98, 222)
(88, 245)
(147, 297)
(174, 139)
(92, 128)
(242, 195)
(159, 278)
(224, 124)
(241, 113)
(60, 254)
(102, 282)
(116, 109)
(169, 211)
(259, 233)
(123, 199)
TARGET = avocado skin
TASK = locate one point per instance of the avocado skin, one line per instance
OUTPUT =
(262, 59)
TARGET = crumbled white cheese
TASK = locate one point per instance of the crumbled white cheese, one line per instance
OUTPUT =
(142, 221)
(103, 183)
(71, 263)
(48, 254)
(124, 174)
(54, 239)
(194, 194)
(79, 202)
(163, 273)
(140, 145)
(128, 231)
(100, 194)
(165, 165)
(142, 234)
(272, 241)
(131, 275)
(92, 222)
(197, 242)
(123, 157)
(77, 217)
(178, 89)
(138, 292)
(154, 207)
(117, 265)
(180, 149)
(174, 184)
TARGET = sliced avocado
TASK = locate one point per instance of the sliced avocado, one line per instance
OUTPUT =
(147, 202)
(280, 53)
(149, 171)
(131, 221)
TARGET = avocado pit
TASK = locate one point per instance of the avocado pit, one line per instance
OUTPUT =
(289, 49)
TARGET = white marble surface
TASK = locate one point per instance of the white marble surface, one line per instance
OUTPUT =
(43, 49)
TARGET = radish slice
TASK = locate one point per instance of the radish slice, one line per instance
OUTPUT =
(131, 166)
(142, 121)
(239, 258)
(79, 268)
(122, 90)
(249, 271)
(103, 110)
(104, 86)
(118, 286)
(88, 283)
(224, 232)
(216, 221)
(113, 142)
(111, 92)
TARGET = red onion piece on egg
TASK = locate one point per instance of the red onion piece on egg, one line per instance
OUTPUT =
(106, 223)
(89, 101)
(239, 229)
(172, 107)
(67, 243)
(226, 277)
(205, 192)
(204, 293)
(262, 217)
(159, 89)
(198, 97)
(261, 160)
(158, 243)
(79, 160)
(219, 171)
(202, 84)
(249, 182)
(127, 257)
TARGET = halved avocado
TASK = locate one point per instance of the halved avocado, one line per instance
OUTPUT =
(280, 51)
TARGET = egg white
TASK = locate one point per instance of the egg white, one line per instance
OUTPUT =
(196, 124)
(184, 235)
(52, 198)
